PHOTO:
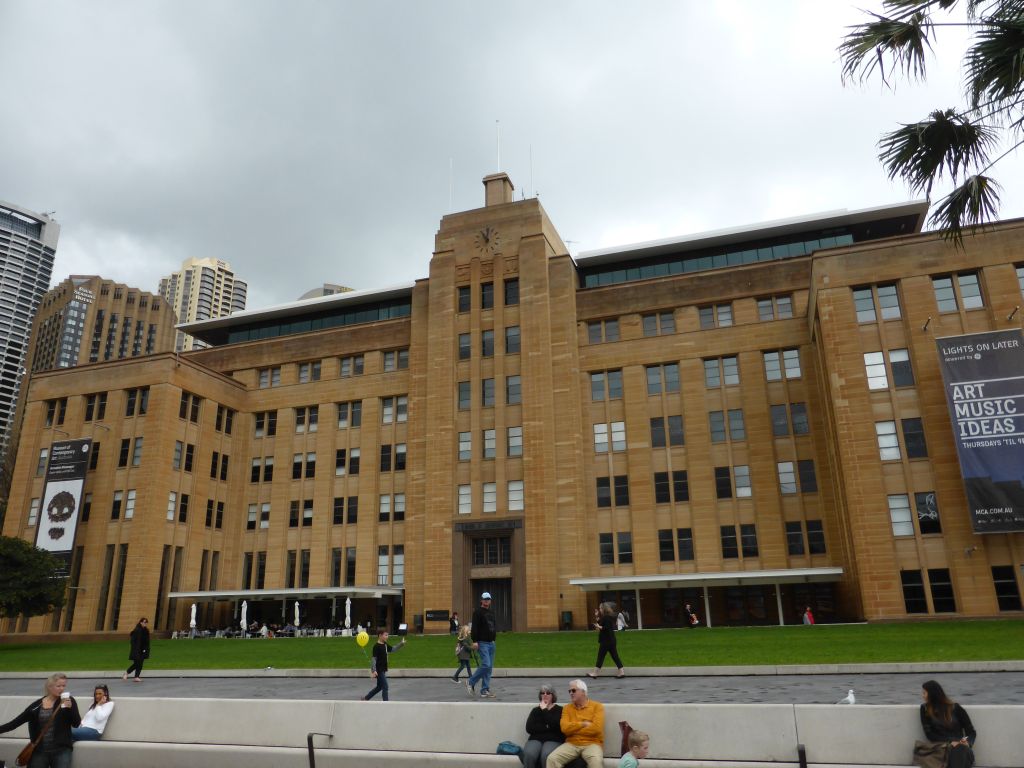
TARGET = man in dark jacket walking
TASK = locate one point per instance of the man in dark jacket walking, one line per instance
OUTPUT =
(483, 633)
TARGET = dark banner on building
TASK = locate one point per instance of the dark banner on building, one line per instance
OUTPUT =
(984, 378)
(62, 497)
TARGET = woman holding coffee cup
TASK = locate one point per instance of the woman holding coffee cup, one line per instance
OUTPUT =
(50, 720)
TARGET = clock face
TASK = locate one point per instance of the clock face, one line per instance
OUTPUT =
(487, 240)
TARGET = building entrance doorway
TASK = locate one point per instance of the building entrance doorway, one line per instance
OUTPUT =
(501, 600)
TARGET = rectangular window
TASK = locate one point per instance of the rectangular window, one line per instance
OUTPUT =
(513, 390)
(385, 458)
(490, 443)
(742, 474)
(33, 512)
(309, 372)
(888, 443)
(115, 507)
(190, 456)
(606, 549)
(659, 324)
(913, 438)
(293, 514)
(486, 295)
(780, 420)
(353, 461)
(515, 441)
(775, 308)
(394, 409)
(396, 360)
(465, 446)
(464, 297)
(874, 368)
(338, 511)
(662, 378)
(798, 412)
(183, 508)
(465, 499)
(785, 363)
(715, 316)
(122, 456)
(269, 377)
(666, 550)
(927, 513)
(625, 542)
(1003, 578)
(490, 497)
(899, 514)
(661, 488)
(44, 454)
(808, 480)
(487, 393)
(511, 291)
(350, 414)
(680, 485)
(179, 448)
(657, 432)
(943, 599)
(465, 346)
(464, 395)
(307, 419)
(352, 365)
(94, 456)
(675, 430)
(684, 541)
(794, 538)
(266, 424)
(716, 424)
(172, 504)
(487, 343)
(387, 410)
(399, 457)
(723, 483)
(604, 491)
(512, 340)
(384, 508)
(214, 463)
(748, 539)
(515, 496)
(902, 372)
(352, 511)
(815, 537)
(730, 547)
(600, 438)
(307, 513)
(398, 565)
(621, 485)
(606, 385)
(737, 429)
(787, 477)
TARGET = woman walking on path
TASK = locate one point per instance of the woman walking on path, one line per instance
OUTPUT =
(139, 652)
(606, 640)
(946, 721)
(52, 717)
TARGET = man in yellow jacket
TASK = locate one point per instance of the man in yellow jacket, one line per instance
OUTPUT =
(583, 725)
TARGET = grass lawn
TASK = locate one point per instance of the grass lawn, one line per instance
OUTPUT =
(821, 644)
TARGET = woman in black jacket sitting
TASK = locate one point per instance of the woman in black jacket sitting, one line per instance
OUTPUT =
(544, 728)
(54, 750)
(946, 721)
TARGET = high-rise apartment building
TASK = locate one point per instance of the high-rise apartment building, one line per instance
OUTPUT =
(202, 289)
(89, 319)
(751, 421)
(28, 243)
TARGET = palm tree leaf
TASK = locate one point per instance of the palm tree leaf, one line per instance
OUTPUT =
(945, 143)
(865, 49)
(971, 205)
(995, 62)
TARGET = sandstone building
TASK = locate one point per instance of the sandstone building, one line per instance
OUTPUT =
(201, 289)
(750, 421)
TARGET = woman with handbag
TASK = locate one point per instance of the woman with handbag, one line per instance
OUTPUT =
(139, 652)
(50, 720)
(606, 643)
(946, 724)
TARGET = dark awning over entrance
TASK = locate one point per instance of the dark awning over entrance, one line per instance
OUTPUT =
(297, 593)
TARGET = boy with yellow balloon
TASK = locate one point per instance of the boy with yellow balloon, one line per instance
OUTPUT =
(379, 664)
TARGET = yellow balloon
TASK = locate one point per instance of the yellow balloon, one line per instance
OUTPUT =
(362, 638)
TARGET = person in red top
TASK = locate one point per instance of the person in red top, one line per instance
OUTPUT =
(583, 725)
(808, 616)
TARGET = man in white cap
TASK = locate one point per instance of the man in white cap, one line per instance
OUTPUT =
(483, 634)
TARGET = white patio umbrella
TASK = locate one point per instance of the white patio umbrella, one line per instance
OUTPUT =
(245, 611)
(348, 613)
(296, 614)
(192, 621)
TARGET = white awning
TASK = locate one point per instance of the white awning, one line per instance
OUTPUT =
(712, 579)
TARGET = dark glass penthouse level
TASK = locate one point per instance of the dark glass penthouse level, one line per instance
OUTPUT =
(19, 224)
(694, 257)
(333, 317)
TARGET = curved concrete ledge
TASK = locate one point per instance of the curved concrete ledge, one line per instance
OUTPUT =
(203, 732)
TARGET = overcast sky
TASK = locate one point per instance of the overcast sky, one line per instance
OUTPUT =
(309, 142)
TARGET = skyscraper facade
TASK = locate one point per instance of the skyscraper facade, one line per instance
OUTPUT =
(89, 319)
(202, 289)
(28, 244)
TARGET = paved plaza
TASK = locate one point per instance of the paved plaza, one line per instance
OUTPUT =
(871, 687)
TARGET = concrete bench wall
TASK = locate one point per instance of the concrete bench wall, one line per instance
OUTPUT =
(204, 732)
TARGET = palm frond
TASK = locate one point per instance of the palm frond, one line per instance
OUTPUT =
(973, 204)
(994, 64)
(866, 48)
(945, 143)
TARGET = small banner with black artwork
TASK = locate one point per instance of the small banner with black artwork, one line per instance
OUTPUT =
(62, 497)
(984, 378)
